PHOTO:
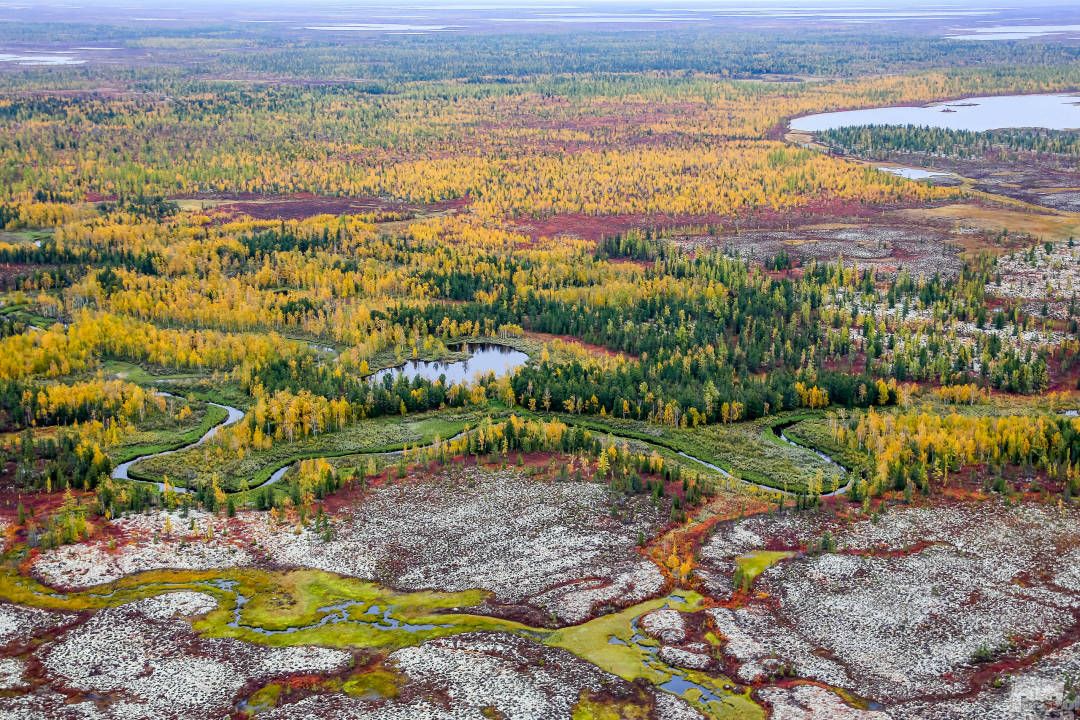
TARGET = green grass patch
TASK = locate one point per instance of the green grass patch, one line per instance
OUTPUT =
(752, 564)
(592, 641)
(202, 385)
(25, 237)
(373, 684)
(815, 433)
(299, 599)
(264, 698)
(143, 374)
(277, 601)
(608, 642)
(590, 708)
(291, 599)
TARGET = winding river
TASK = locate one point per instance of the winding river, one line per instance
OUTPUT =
(778, 430)
(842, 471)
(235, 415)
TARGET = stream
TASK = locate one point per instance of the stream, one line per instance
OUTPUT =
(381, 618)
(778, 430)
(235, 415)
(842, 471)
(284, 469)
(679, 683)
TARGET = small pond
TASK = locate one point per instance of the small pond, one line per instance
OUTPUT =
(1053, 112)
(483, 358)
(912, 173)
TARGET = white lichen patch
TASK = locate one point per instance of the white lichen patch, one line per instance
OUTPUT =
(185, 603)
(680, 657)
(576, 601)
(909, 602)
(809, 702)
(148, 662)
(753, 533)
(666, 625)
(764, 648)
(1037, 277)
(669, 707)
(11, 674)
(19, 624)
(477, 671)
(1032, 693)
(45, 703)
(145, 543)
(907, 626)
(456, 678)
(553, 545)
(566, 549)
(1068, 575)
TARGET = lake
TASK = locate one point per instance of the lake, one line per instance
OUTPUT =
(1013, 32)
(1053, 112)
(382, 27)
(483, 358)
(35, 59)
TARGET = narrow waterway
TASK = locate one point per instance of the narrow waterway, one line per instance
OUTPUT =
(778, 430)
(234, 415)
(841, 471)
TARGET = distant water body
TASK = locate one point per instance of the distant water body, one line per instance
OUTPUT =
(34, 59)
(1014, 32)
(914, 173)
(1052, 112)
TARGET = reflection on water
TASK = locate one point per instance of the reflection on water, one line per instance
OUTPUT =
(483, 358)
(1053, 112)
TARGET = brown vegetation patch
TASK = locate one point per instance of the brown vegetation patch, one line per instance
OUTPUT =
(596, 227)
(878, 243)
(975, 220)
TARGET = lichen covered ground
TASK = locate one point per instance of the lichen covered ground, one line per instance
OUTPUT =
(143, 660)
(914, 608)
(477, 593)
(558, 550)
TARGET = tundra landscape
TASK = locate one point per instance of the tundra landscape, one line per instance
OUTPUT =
(599, 361)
